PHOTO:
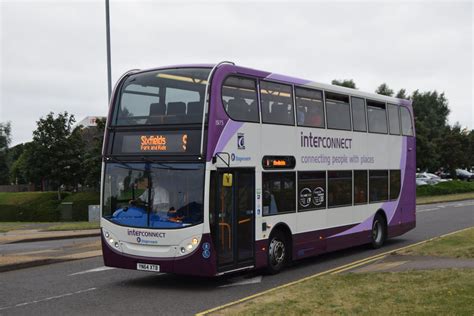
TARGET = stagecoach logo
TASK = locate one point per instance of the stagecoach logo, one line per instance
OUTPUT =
(234, 157)
(240, 141)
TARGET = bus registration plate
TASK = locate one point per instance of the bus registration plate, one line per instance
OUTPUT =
(148, 267)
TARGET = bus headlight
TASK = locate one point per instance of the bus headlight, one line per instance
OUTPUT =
(112, 240)
(188, 245)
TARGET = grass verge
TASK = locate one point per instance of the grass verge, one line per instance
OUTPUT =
(459, 245)
(6, 227)
(440, 292)
(73, 226)
(54, 226)
(444, 198)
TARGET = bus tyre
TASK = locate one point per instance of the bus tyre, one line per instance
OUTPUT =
(277, 252)
(379, 231)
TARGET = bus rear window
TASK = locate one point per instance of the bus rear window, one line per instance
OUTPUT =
(171, 96)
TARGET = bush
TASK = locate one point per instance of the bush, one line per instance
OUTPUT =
(443, 188)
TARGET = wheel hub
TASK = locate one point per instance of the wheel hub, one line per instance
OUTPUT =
(277, 251)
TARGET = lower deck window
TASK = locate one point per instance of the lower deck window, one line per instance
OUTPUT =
(279, 192)
(360, 187)
(378, 185)
(339, 188)
(394, 184)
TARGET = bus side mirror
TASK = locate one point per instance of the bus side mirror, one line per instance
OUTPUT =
(227, 179)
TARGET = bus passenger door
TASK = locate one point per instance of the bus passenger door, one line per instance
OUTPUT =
(233, 213)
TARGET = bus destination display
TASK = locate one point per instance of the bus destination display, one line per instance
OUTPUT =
(159, 142)
(164, 142)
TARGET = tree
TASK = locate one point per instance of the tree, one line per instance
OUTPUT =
(383, 89)
(57, 149)
(13, 155)
(457, 140)
(5, 138)
(431, 114)
(402, 94)
(348, 83)
(93, 157)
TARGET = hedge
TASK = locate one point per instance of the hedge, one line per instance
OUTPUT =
(43, 206)
(443, 188)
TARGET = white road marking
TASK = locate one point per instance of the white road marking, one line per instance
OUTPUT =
(255, 280)
(48, 299)
(440, 207)
(428, 210)
(103, 268)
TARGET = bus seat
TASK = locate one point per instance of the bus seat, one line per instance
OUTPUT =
(236, 106)
(195, 108)
(253, 111)
(176, 108)
(157, 109)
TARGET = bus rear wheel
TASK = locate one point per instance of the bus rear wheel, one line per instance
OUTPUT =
(379, 231)
(277, 252)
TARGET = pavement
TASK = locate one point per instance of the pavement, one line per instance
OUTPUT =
(26, 248)
(81, 287)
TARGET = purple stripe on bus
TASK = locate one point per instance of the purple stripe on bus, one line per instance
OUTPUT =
(192, 264)
(229, 130)
(218, 118)
(390, 208)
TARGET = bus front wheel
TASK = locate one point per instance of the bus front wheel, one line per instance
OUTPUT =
(379, 231)
(277, 252)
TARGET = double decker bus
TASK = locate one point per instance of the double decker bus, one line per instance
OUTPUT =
(212, 169)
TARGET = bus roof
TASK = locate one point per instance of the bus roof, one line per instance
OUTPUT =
(299, 82)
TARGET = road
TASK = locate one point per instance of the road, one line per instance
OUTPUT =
(86, 287)
(13, 248)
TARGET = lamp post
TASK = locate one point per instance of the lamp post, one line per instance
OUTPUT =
(107, 30)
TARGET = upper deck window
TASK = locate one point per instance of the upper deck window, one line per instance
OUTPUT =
(239, 96)
(338, 111)
(277, 103)
(309, 107)
(170, 96)
(393, 119)
(377, 117)
(407, 126)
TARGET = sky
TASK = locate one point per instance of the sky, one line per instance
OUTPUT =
(53, 53)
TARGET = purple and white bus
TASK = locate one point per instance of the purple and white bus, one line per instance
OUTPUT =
(211, 169)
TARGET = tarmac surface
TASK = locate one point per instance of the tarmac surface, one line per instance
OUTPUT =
(87, 287)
